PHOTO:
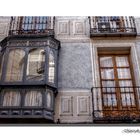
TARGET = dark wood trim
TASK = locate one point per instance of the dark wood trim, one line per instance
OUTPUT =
(115, 52)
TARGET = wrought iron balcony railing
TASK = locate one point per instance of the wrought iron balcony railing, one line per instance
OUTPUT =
(116, 104)
(32, 25)
(112, 26)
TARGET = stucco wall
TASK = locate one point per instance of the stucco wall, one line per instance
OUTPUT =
(75, 66)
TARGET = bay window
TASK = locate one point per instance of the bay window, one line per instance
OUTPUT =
(28, 81)
(28, 69)
(32, 65)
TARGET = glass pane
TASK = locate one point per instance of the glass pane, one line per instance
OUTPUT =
(110, 86)
(106, 62)
(11, 98)
(31, 23)
(51, 73)
(124, 73)
(127, 99)
(122, 61)
(15, 65)
(49, 99)
(115, 18)
(26, 20)
(36, 64)
(37, 20)
(107, 73)
(39, 26)
(30, 19)
(126, 86)
(33, 98)
(43, 26)
(24, 25)
(41, 19)
(110, 100)
(104, 19)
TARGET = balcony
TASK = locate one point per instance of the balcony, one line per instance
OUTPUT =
(116, 104)
(32, 26)
(112, 26)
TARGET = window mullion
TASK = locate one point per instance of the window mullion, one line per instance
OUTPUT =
(25, 65)
(117, 83)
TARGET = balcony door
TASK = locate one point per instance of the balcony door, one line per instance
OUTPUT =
(117, 86)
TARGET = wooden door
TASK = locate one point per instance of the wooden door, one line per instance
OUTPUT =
(117, 85)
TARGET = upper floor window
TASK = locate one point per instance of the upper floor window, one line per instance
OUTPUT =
(112, 25)
(34, 64)
(29, 65)
(31, 25)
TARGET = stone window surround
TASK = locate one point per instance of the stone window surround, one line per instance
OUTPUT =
(95, 64)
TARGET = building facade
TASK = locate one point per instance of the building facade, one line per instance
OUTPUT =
(70, 70)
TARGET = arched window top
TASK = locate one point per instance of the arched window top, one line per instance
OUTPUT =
(36, 64)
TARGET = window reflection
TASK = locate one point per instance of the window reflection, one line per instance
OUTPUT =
(15, 65)
(122, 61)
(106, 62)
(36, 64)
